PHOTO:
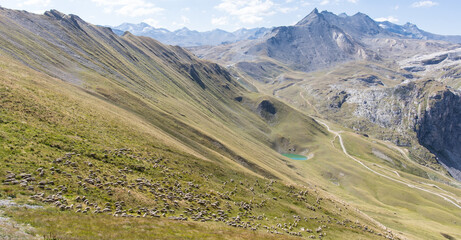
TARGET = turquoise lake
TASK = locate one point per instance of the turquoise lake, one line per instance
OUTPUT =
(295, 156)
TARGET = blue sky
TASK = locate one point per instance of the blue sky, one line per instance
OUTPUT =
(437, 16)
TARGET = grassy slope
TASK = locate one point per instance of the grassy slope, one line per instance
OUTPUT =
(414, 213)
(152, 81)
(150, 104)
(42, 119)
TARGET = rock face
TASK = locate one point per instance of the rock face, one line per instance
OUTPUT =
(390, 107)
(439, 130)
(267, 110)
(311, 44)
(415, 112)
(443, 66)
(359, 25)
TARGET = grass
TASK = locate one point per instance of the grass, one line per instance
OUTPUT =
(61, 225)
(413, 213)
(137, 117)
(37, 131)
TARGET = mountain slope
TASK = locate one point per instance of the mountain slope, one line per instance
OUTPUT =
(358, 25)
(139, 128)
(163, 84)
(151, 135)
(120, 144)
(311, 43)
(72, 136)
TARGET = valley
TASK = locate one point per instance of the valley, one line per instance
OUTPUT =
(333, 128)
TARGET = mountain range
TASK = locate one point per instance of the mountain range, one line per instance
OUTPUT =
(185, 37)
(190, 38)
(333, 128)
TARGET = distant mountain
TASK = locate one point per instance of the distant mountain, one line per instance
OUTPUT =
(412, 31)
(358, 25)
(187, 38)
(314, 42)
(323, 39)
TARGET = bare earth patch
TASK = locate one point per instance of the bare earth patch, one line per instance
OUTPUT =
(10, 229)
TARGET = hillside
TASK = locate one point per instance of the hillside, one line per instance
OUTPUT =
(162, 93)
(94, 124)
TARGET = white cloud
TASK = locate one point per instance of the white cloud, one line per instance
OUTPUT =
(131, 8)
(391, 19)
(184, 21)
(424, 4)
(336, 2)
(42, 3)
(220, 21)
(288, 9)
(397, 7)
(247, 11)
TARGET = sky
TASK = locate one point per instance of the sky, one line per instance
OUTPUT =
(436, 16)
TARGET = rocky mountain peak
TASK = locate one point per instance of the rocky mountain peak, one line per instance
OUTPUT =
(357, 25)
(312, 17)
(412, 26)
(360, 15)
(55, 14)
(71, 19)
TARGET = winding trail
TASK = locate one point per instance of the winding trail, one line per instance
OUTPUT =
(447, 198)
(451, 199)
(309, 103)
(405, 155)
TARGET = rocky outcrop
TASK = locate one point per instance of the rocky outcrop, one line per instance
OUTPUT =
(439, 129)
(424, 113)
(390, 107)
(266, 110)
